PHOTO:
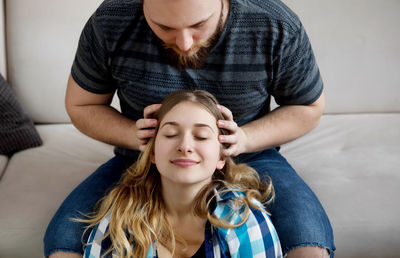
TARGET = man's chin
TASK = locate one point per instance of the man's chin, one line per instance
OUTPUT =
(187, 54)
(193, 59)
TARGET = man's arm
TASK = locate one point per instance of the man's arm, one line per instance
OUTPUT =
(92, 114)
(280, 126)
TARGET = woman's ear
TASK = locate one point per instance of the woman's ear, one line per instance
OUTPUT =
(221, 163)
(152, 158)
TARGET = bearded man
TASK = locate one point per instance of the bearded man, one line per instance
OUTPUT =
(243, 52)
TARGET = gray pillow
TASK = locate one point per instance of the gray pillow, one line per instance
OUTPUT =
(17, 131)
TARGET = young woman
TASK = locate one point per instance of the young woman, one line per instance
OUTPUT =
(183, 198)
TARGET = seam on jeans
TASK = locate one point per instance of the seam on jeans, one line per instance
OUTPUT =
(314, 244)
(61, 250)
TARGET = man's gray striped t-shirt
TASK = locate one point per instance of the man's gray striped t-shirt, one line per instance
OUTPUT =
(263, 51)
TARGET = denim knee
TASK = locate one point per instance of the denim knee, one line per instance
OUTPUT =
(296, 212)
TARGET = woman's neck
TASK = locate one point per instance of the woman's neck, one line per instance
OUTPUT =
(179, 202)
(179, 198)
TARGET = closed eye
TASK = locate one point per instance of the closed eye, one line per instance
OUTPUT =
(198, 25)
(165, 28)
(200, 138)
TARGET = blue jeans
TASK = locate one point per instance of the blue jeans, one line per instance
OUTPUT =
(296, 212)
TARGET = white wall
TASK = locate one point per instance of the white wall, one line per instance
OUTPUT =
(42, 37)
(357, 46)
(356, 43)
(2, 41)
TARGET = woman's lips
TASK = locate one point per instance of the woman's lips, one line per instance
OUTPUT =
(184, 162)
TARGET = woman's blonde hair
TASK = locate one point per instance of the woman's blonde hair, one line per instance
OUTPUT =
(138, 216)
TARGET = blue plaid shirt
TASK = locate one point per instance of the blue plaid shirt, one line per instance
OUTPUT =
(256, 237)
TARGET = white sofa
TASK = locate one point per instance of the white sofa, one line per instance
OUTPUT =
(351, 160)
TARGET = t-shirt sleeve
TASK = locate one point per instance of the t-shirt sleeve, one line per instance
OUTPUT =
(297, 80)
(91, 66)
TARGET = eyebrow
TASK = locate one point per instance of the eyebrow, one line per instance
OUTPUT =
(196, 125)
(193, 25)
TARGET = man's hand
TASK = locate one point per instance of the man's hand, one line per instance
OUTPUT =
(146, 126)
(236, 139)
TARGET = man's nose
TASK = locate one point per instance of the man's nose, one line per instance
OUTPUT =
(184, 40)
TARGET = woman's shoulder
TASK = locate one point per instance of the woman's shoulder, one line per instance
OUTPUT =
(230, 201)
(98, 242)
(230, 207)
(256, 235)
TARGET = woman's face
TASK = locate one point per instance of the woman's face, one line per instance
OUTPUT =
(186, 148)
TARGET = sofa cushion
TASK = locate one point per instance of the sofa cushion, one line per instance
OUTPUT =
(352, 163)
(17, 131)
(348, 161)
(38, 180)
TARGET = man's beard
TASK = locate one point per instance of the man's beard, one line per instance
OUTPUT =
(198, 59)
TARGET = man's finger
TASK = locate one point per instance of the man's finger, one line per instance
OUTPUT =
(150, 110)
(142, 147)
(228, 125)
(143, 144)
(229, 152)
(145, 134)
(225, 112)
(229, 139)
(146, 123)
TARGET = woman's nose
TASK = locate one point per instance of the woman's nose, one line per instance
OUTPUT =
(185, 145)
